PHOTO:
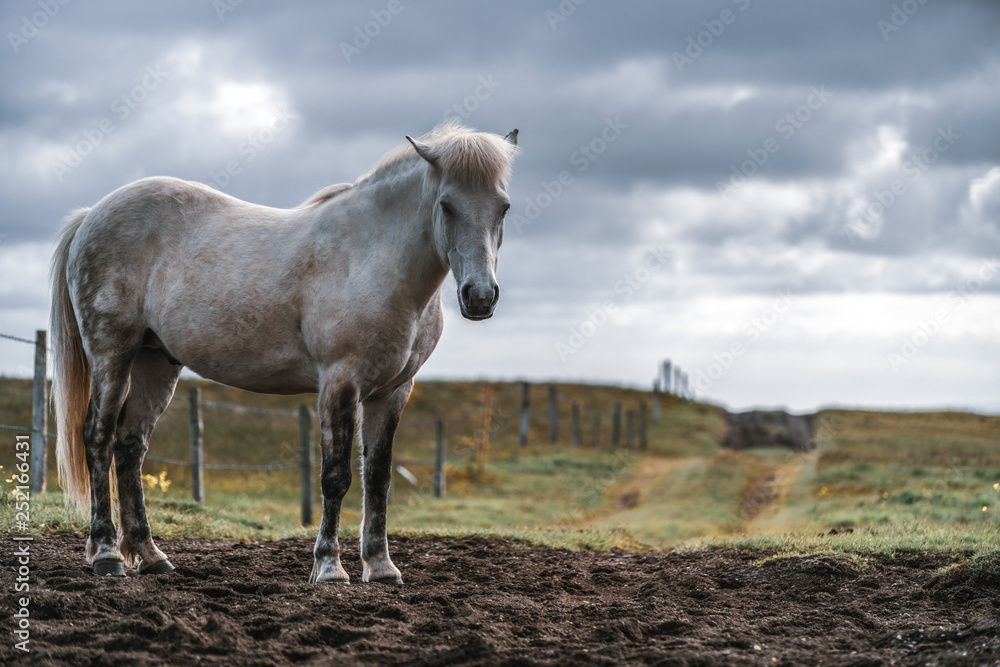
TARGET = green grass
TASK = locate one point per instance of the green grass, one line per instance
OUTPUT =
(892, 482)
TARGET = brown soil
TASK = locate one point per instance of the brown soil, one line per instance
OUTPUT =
(477, 601)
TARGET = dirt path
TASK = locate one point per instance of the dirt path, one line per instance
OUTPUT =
(767, 496)
(650, 475)
(492, 602)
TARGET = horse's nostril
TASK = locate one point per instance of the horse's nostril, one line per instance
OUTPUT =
(466, 291)
(496, 295)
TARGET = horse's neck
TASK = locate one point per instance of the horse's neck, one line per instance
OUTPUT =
(393, 232)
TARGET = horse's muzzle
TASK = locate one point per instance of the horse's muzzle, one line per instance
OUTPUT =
(478, 301)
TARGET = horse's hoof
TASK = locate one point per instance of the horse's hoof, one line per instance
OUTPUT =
(109, 567)
(336, 582)
(159, 567)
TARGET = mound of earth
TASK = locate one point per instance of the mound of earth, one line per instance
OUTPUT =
(774, 428)
(477, 601)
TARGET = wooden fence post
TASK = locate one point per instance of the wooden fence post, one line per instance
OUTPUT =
(616, 426)
(630, 430)
(439, 481)
(597, 431)
(197, 425)
(575, 427)
(39, 416)
(643, 427)
(484, 430)
(306, 460)
(525, 410)
(553, 415)
(668, 377)
(656, 400)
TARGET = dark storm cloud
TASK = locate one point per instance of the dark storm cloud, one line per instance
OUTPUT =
(559, 78)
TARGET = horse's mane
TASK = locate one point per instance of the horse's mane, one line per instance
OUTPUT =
(476, 158)
(329, 192)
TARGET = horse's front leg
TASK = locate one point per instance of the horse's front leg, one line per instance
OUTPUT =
(338, 411)
(380, 421)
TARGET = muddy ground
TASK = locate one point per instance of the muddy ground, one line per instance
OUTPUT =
(492, 602)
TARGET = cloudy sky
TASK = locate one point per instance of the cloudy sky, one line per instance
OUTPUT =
(798, 203)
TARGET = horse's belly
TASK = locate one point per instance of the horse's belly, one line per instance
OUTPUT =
(266, 364)
(259, 378)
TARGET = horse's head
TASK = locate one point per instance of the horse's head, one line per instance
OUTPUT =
(470, 172)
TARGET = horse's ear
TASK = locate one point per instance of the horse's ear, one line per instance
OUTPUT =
(512, 137)
(423, 150)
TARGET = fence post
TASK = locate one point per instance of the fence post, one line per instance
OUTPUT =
(525, 409)
(306, 460)
(597, 431)
(553, 415)
(630, 430)
(643, 427)
(668, 377)
(197, 425)
(484, 430)
(439, 480)
(575, 427)
(616, 426)
(39, 416)
(656, 400)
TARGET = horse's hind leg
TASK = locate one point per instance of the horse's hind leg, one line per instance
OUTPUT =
(152, 385)
(108, 388)
(380, 421)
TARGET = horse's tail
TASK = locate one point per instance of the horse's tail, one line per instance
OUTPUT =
(70, 374)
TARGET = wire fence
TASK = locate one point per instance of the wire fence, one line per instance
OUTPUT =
(625, 424)
(17, 338)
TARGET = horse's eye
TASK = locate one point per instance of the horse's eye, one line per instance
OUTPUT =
(504, 211)
(446, 209)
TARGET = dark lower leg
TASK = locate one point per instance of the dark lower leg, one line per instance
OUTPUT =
(102, 544)
(136, 543)
(338, 410)
(381, 420)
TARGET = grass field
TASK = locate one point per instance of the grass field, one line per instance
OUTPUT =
(878, 482)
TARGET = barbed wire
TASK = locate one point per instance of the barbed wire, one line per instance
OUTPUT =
(17, 338)
(462, 414)
(242, 408)
(225, 466)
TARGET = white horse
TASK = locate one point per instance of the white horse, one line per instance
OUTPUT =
(341, 295)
